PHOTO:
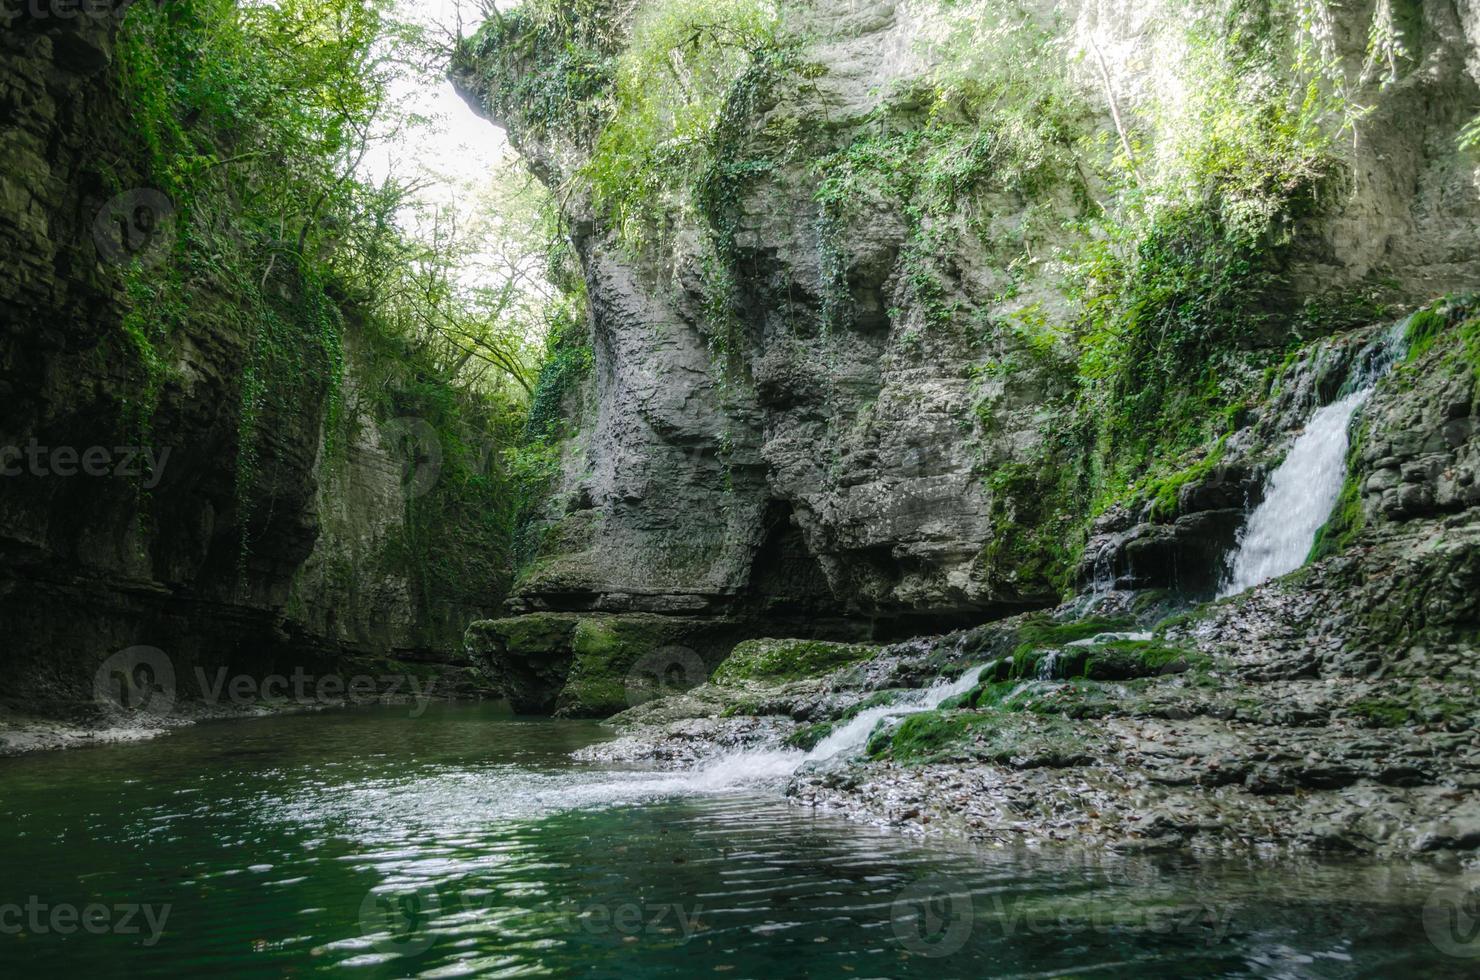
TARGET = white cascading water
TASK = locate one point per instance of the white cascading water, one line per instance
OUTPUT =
(766, 765)
(1298, 499)
(1302, 491)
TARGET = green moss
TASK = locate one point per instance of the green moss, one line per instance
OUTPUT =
(999, 694)
(783, 660)
(947, 736)
(876, 700)
(536, 633)
(1422, 331)
(807, 737)
(1045, 632)
(1164, 492)
(1380, 713)
(928, 736)
(1413, 706)
(1450, 325)
(604, 651)
(1129, 659)
(1347, 519)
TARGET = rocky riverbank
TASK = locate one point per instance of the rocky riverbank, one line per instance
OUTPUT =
(1219, 730)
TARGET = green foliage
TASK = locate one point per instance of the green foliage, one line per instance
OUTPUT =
(567, 364)
(551, 67)
(1035, 542)
(997, 115)
(688, 64)
(245, 117)
(1181, 283)
(1450, 325)
(535, 461)
(253, 119)
(1469, 137)
(454, 543)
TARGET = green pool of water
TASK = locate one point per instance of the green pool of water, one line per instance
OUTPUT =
(462, 842)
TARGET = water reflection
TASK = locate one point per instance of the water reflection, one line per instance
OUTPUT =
(466, 842)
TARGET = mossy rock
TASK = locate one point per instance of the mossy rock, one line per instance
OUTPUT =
(606, 673)
(787, 660)
(1020, 740)
(807, 737)
(581, 666)
(1049, 655)
(1124, 660)
(526, 658)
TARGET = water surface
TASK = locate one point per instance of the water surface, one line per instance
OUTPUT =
(368, 843)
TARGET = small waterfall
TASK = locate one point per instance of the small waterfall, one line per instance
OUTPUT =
(1302, 491)
(734, 769)
(855, 733)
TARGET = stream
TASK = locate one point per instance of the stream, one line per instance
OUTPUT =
(466, 841)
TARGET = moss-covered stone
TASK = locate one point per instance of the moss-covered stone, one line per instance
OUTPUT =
(581, 666)
(1129, 659)
(1016, 739)
(784, 660)
(526, 657)
(807, 737)
(1037, 633)
(604, 653)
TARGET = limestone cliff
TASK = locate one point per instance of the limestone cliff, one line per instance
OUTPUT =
(936, 373)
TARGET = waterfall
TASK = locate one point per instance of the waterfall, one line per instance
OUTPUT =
(1302, 491)
(855, 733)
(764, 765)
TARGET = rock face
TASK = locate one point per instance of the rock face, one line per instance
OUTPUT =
(906, 455)
(97, 560)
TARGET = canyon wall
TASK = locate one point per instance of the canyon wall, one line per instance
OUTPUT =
(100, 551)
(899, 394)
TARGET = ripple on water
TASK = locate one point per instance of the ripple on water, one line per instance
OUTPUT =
(500, 858)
